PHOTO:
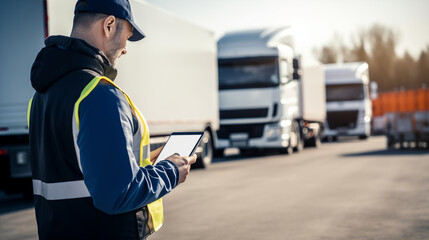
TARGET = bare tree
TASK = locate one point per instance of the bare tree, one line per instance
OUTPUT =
(332, 52)
(423, 68)
(358, 51)
(405, 72)
(376, 46)
(382, 42)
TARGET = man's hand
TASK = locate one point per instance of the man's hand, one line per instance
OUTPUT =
(154, 154)
(184, 164)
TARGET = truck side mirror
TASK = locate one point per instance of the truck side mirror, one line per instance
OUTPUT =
(373, 88)
(296, 71)
(295, 64)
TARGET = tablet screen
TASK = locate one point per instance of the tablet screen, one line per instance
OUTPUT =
(183, 143)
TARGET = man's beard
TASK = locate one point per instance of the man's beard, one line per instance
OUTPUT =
(114, 50)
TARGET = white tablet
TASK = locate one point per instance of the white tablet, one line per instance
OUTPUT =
(182, 143)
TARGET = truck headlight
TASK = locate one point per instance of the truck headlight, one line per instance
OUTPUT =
(273, 131)
(367, 119)
(21, 158)
(285, 123)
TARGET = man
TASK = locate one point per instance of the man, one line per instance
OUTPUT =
(87, 139)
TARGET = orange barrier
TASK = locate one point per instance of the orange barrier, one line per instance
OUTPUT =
(390, 102)
(401, 101)
(420, 97)
(426, 108)
(377, 107)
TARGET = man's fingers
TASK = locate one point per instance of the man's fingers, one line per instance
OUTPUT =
(175, 154)
(192, 159)
(184, 160)
(184, 164)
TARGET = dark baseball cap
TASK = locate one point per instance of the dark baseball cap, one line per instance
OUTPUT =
(118, 8)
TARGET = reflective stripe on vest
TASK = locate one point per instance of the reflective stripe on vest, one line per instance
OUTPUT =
(156, 214)
(28, 112)
(60, 190)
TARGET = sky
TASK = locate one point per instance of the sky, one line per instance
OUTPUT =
(314, 22)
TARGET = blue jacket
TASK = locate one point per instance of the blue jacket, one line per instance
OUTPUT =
(91, 188)
(110, 170)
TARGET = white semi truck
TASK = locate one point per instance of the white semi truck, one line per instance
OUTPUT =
(171, 76)
(266, 100)
(348, 102)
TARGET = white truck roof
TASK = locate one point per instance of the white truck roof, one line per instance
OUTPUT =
(346, 73)
(259, 42)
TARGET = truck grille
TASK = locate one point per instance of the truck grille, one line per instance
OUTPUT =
(343, 119)
(244, 113)
(254, 130)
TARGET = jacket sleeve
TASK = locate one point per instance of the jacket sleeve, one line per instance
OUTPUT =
(105, 140)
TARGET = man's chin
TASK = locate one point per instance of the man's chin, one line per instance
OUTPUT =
(114, 63)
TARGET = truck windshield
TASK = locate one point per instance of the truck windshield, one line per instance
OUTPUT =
(248, 73)
(345, 92)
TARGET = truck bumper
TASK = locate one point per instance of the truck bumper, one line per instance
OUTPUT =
(273, 136)
(252, 143)
(19, 161)
(362, 129)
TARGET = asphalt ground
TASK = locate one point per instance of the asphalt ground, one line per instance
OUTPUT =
(349, 189)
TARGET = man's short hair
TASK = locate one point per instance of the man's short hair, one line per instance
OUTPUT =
(87, 18)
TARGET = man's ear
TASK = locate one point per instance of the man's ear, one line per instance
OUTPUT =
(109, 25)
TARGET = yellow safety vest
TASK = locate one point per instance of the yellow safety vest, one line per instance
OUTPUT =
(156, 212)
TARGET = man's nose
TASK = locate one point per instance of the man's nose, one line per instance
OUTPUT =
(124, 51)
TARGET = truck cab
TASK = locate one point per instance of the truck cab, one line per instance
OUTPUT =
(348, 103)
(260, 91)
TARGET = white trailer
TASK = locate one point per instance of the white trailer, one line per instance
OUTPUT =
(348, 102)
(23, 33)
(171, 76)
(266, 100)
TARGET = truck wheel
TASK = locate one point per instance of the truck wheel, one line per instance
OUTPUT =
(390, 142)
(363, 137)
(219, 152)
(401, 141)
(315, 141)
(299, 142)
(287, 150)
(204, 158)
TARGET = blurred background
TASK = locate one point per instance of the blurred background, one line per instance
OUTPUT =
(388, 34)
(315, 113)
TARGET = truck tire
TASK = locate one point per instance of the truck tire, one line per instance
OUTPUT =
(205, 157)
(315, 141)
(363, 137)
(390, 142)
(401, 141)
(288, 150)
(299, 141)
(219, 152)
